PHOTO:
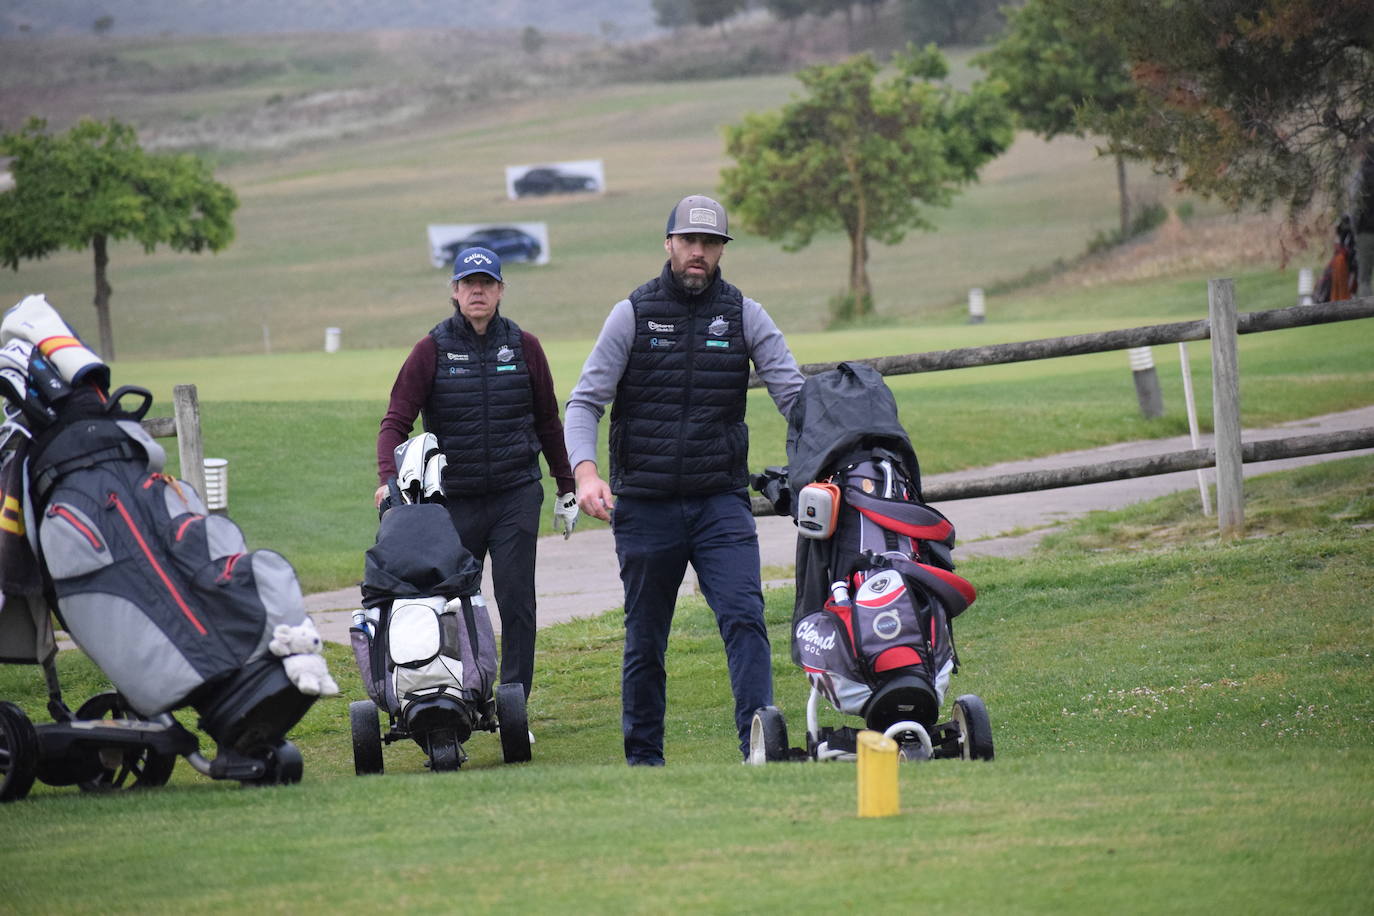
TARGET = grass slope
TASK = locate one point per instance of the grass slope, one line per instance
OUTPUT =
(335, 236)
(1182, 726)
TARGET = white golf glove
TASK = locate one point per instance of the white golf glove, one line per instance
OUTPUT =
(565, 513)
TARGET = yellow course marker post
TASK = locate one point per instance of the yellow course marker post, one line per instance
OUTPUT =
(877, 775)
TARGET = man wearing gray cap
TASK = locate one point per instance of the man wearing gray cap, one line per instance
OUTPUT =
(674, 359)
(484, 388)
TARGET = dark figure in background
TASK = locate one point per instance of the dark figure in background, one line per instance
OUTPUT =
(484, 388)
(1361, 205)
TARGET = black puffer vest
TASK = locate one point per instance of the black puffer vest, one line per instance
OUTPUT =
(677, 424)
(482, 407)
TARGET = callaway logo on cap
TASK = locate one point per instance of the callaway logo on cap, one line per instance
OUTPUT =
(477, 260)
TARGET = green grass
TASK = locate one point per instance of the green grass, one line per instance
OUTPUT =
(300, 430)
(1182, 725)
(334, 236)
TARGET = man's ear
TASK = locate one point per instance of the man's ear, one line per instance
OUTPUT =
(668, 245)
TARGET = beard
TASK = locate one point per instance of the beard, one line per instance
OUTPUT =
(692, 283)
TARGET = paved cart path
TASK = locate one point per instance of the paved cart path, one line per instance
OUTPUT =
(579, 577)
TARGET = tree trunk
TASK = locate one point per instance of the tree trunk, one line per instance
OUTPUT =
(102, 299)
(1125, 198)
(858, 243)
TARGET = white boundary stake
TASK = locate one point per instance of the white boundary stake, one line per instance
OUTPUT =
(1192, 424)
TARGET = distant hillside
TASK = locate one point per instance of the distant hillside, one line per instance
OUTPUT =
(613, 19)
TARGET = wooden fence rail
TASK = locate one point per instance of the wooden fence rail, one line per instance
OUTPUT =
(1102, 341)
(1229, 452)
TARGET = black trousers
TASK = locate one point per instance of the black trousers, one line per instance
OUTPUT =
(505, 525)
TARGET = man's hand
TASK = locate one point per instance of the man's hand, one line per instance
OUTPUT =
(379, 496)
(565, 513)
(593, 494)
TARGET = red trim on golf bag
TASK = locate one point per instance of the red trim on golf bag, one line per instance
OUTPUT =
(70, 518)
(898, 657)
(152, 561)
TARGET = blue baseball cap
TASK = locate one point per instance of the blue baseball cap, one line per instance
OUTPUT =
(477, 261)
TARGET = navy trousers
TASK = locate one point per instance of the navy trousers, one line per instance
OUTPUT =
(505, 525)
(655, 539)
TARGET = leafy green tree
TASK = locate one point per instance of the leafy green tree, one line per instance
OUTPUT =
(1250, 101)
(1053, 65)
(862, 156)
(94, 185)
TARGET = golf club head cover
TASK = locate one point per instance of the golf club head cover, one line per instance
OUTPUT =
(15, 384)
(36, 321)
(412, 458)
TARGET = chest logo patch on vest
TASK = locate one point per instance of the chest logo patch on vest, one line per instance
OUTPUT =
(718, 344)
(505, 355)
(505, 368)
(457, 357)
(661, 343)
(662, 328)
(718, 326)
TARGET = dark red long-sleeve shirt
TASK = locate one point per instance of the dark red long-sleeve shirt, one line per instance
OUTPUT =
(415, 381)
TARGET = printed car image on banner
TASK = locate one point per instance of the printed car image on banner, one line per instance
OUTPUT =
(583, 176)
(514, 243)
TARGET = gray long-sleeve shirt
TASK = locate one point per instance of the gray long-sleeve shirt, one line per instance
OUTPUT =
(601, 373)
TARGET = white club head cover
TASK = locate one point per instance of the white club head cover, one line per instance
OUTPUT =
(37, 322)
(411, 457)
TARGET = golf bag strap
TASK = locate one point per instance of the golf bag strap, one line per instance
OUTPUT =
(46, 479)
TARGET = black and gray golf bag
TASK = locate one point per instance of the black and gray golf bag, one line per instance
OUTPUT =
(876, 587)
(163, 596)
(423, 640)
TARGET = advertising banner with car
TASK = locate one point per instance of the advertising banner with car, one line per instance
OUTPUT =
(582, 176)
(515, 243)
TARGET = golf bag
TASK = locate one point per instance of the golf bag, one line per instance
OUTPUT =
(424, 643)
(423, 639)
(164, 597)
(876, 590)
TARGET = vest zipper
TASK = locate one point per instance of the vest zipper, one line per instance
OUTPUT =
(687, 403)
(118, 504)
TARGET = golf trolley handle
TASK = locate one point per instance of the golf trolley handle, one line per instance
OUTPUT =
(122, 391)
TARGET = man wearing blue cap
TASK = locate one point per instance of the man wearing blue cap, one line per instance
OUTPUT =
(674, 358)
(483, 387)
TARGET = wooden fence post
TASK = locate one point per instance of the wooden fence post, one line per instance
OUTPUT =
(186, 407)
(1221, 311)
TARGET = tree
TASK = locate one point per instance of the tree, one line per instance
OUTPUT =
(94, 185)
(1053, 66)
(1250, 101)
(674, 14)
(951, 22)
(862, 157)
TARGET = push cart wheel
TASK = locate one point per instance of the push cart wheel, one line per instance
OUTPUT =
(767, 736)
(513, 723)
(367, 737)
(975, 732)
(284, 765)
(444, 749)
(123, 768)
(18, 753)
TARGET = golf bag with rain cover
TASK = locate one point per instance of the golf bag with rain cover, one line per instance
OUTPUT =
(164, 597)
(423, 640)
(876, 588)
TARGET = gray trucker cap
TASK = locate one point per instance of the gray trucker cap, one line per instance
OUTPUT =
(695, 213)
